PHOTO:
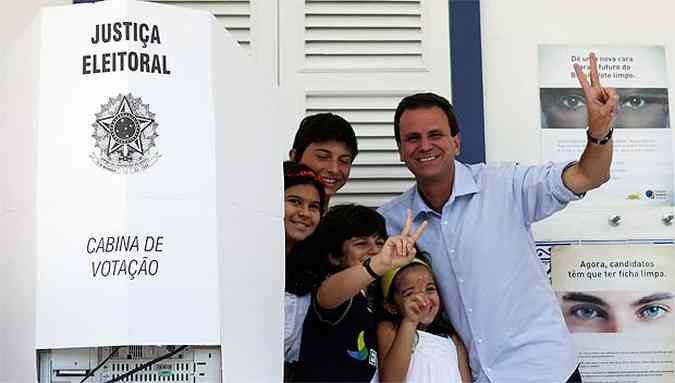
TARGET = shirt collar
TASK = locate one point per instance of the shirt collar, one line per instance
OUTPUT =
(464, 184)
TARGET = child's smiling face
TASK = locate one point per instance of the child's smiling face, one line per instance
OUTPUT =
(416, 283)
(356, 249)
(302, 212)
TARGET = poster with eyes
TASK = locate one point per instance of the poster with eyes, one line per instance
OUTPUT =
(642, 169)
(618, 302)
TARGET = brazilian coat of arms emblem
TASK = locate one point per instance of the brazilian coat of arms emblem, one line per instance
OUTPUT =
(125, 132)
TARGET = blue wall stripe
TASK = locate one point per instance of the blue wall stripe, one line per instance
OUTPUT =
(467, 77)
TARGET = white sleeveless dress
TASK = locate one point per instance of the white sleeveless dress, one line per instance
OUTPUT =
(434, 360)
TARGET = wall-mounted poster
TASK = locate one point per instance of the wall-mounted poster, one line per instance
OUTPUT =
(618, 302)
(642, 169)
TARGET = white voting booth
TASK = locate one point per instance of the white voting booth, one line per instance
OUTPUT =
(140, 197)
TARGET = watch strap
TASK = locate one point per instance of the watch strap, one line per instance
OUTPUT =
(366, 265)
(600, 141)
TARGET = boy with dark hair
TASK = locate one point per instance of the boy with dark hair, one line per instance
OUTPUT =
(338, 338)
(327, 144)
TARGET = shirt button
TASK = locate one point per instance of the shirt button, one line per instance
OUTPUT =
(480, 340)
(470, 310)
(452, 251)
(445, 222)
(489, 369)
(461, 280)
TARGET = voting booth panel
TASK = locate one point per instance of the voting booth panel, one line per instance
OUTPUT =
(250, 213)
(19, 88)
(153, 176)
(143, 172)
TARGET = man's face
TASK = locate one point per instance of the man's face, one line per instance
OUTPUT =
(332, 160)
(618, 311)
(426, 146)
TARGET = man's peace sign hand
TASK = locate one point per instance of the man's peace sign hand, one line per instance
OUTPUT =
(601, 102)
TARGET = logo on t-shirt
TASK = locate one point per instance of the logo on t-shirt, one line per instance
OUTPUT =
(362, 351)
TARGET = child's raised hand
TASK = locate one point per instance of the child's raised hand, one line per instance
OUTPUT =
(408, 228)
(398, 250)
(414, 307)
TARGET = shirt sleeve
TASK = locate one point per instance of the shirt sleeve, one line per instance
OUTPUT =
(541, 190)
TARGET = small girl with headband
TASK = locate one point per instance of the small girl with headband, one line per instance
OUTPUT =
(415, 343)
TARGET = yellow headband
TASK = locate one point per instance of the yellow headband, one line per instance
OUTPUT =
(388, 277)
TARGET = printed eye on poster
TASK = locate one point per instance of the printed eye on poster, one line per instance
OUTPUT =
(618, 303)
(146, 170)
(642, 167)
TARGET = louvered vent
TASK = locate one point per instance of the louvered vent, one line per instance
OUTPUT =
(234, 15)
(376, 34)
(377, 175)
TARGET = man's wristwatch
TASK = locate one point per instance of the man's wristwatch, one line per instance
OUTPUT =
(600, 141)
(366, 265)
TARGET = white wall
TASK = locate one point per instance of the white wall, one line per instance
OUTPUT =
(511, 33)
(15, 16)
(513, 29)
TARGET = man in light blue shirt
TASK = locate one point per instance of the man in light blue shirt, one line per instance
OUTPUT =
(483, 254)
